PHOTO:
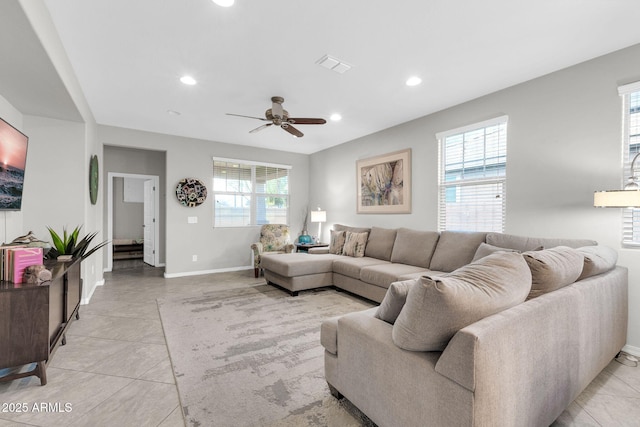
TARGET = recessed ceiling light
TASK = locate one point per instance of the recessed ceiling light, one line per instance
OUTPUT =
(188, 80)
(224, 3)
(414, 81)
(336, 117)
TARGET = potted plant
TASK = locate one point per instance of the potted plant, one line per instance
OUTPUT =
(70, 246)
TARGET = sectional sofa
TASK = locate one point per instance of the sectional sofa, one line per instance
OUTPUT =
(473, 329)
(390, 255)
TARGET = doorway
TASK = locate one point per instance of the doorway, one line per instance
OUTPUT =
(144, 189)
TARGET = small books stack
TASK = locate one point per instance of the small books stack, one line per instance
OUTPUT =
(15, 259)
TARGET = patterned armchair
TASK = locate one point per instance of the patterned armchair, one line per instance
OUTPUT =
(274, 238)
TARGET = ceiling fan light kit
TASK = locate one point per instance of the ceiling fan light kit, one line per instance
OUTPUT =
(278, 116)
(224, 3)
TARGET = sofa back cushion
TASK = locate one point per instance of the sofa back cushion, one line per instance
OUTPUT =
(597, 260)
(413, 247)
(553, 268)
(522, 243)
(485, 249)
(455, 249)
(380, 243)
(437, 307)
(355, 244)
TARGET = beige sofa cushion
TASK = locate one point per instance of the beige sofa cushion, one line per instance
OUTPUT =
(336, 244)
(455, 249)
(394, 300)
(437, 307)
(597, 260)
(350, 266)
(523, 243)
(380, 243)
(384, 274)
(485, 249)
(553, 268)
(299, 264)
(355, 244)
(413, 247)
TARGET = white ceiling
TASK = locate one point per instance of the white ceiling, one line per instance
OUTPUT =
(129, 55)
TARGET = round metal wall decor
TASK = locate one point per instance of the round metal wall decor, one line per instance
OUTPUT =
(191, 192)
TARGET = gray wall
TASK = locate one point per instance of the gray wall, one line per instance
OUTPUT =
(217, 249)
(564, 142)
(142, 162)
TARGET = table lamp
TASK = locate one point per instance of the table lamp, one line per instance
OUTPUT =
(319, 216)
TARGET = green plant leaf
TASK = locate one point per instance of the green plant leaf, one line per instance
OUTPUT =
(70, 245)
(57, 242)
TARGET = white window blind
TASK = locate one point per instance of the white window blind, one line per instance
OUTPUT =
(472, 177)
(631, 146)
(248, 193)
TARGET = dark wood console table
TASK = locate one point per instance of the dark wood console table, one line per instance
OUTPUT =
(34, 318)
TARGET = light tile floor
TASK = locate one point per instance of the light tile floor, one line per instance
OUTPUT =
(115, 369)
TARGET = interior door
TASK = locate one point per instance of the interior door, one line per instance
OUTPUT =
(149, 223)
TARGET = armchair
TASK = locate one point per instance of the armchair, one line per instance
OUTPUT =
(274, 238)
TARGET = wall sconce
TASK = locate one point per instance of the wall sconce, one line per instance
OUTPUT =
(319, 217)
(629, 197)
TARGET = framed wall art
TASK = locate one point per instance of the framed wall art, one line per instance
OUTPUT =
(384, 183)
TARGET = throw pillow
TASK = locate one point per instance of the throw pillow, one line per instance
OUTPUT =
(485, 249)
(354, 244)
(337, 242)
(394, 300)
(437, 307)
(553, 268)
(597, 260)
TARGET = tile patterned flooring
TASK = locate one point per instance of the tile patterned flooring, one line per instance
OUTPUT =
(115, 369)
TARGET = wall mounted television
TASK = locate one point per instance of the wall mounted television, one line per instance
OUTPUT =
(13, 160)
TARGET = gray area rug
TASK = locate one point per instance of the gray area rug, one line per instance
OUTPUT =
(252, 356)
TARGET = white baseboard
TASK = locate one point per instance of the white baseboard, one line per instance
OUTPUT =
(85, 300)
(201, 272)
(631, 350)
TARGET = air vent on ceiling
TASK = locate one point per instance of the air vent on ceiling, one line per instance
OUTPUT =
(334, 64)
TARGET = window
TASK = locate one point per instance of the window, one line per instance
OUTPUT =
(473, 162)
(247, 193)
(631, 146)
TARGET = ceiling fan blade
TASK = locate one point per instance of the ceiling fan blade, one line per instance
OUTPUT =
(306, 121)
(248, 117)
(293, 131)
(259, 128)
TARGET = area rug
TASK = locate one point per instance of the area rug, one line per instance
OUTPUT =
(252, 356)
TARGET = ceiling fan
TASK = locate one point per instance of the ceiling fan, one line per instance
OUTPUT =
(278, 116)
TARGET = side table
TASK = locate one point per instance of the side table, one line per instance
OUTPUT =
(304, 247)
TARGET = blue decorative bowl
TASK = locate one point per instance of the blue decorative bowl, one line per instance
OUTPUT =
(305, 238)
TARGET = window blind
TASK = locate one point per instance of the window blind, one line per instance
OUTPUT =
(473, 177)
(250, 193)
(631, 146)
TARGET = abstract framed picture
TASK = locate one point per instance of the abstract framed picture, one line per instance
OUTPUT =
(384, 183)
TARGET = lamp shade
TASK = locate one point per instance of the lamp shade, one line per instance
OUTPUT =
(318, 216)
(617, 199)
